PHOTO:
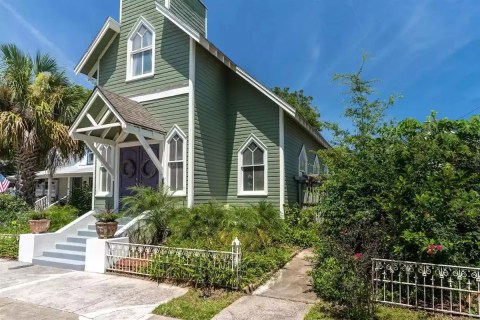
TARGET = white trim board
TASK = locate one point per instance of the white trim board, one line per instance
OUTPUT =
(161, 94)
(191, 126)
(109, 24)
(281, 153)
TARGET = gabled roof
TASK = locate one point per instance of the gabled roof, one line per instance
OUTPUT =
(210, 47)
(123, 110)
(97, 48)
(131, 111)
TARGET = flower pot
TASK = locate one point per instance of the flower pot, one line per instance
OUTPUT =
(106, 230)
(39, 226)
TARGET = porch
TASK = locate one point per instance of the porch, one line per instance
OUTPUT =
(128, 144)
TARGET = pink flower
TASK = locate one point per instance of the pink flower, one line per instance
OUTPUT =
(431, 246)
(439, 248)
(358, 256)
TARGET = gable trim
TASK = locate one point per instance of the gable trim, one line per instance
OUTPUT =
(179, 23)
(109, 24)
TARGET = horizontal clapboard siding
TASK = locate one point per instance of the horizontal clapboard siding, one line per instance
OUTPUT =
(171, 53)
(295, 138)
(192, 12)
(249, 111)
(210, 129)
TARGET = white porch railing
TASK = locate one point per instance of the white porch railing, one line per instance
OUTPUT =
(41, 204)
(199, 267)
(434, 287)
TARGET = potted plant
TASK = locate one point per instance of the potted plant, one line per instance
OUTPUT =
(107, 223)
(38, 222)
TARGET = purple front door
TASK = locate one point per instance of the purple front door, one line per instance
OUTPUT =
(136, 168)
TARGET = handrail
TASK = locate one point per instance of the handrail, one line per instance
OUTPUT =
(41, 204)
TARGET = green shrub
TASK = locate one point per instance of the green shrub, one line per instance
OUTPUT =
(214, 226)
(158, 205)
(11, 208)
(81, 199)
(60, 216)
(302, 229)
(258, 265)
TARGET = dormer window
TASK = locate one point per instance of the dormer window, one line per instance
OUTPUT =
(141, 51)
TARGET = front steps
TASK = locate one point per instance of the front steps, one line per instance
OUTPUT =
(69, 254)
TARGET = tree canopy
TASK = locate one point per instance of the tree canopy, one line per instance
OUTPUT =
(37, 105)
(302, 103)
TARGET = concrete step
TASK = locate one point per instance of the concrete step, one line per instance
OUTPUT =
(71, 246)
(87, 233)
(78, 239)
(59, 263)
(65, 254)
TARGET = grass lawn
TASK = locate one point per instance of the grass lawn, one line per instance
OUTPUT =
(193, 306)
(323, 311)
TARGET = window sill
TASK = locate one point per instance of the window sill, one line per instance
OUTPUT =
(252, 193)
(179, 194)
(144, 76)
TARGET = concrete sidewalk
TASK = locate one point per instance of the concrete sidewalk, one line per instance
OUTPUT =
(287, 295)
(35, 292)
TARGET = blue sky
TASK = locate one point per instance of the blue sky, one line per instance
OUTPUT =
(426, 50)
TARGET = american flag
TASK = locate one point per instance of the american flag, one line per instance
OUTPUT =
(4, 183)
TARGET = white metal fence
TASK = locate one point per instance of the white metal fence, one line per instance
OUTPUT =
(198, 267)
(440, 288)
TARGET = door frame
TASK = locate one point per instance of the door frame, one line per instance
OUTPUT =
(116, 193)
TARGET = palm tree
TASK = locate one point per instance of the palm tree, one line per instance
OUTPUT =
(37, 104)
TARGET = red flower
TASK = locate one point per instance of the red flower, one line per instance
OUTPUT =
(431, 246)
(358, 256)
(439, 248)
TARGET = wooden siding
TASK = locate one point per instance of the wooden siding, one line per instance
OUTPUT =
(169, 112)
(295, 138)
(249, 111)
(172, 47)
(210, 129)
(193, 12)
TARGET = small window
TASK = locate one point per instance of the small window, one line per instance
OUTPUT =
(89, 157)
(104, 179)
(176, 165)
(252, 160)
(302, 162)
(141, 51)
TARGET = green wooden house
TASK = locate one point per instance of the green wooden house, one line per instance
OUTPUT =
(169, 107)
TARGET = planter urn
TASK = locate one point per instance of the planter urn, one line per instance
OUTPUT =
(106, 230)
(39, 226)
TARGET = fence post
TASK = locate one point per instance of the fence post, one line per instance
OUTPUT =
(236, 258)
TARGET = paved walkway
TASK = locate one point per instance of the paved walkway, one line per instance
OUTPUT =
(287, 295)
(35, 292)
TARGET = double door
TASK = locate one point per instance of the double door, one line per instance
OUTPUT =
(136, 168)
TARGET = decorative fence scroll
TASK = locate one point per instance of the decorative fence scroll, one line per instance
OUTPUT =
(440, 288)
(199, 267)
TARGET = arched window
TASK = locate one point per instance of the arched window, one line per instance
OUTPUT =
(141, 51)
(302, 162)
(176, 154)
(316, 166)
(252, 168)
(104, 181)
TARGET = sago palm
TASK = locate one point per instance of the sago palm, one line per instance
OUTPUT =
(37, 104)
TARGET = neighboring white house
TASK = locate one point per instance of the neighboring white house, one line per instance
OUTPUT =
(73, 175)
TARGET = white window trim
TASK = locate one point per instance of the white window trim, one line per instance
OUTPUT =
(316, 166)
(167, 4)
(98, 176)
(304, 153)
(141, 22)
(171, 134)
(240, 191)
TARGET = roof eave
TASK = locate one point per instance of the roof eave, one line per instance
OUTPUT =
(110, 24)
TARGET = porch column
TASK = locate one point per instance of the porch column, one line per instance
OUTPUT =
(49, 190)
